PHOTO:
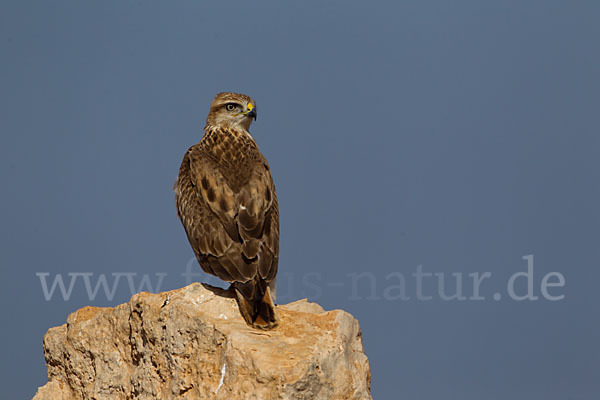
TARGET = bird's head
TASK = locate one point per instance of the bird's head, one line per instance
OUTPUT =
(231, 110)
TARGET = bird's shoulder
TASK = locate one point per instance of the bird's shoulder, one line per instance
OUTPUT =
(232, 154)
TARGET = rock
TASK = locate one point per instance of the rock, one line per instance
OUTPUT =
(192, 343)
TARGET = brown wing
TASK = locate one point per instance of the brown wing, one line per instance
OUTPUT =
(234, 232)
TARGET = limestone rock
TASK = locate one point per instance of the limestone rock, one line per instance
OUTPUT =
(192, 343)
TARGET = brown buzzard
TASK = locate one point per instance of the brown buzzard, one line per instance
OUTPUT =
(227, 203)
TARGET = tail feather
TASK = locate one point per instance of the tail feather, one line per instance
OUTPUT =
(256, 304)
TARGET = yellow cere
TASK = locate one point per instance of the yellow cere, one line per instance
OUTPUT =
(250, 106)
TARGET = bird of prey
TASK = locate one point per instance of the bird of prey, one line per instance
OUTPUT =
(227, 204)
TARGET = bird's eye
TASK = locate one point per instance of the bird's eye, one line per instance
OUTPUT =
(230, 106)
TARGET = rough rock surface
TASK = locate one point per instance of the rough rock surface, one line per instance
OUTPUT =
(191, 343)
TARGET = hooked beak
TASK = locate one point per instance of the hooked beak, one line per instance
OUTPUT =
(250, 111)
